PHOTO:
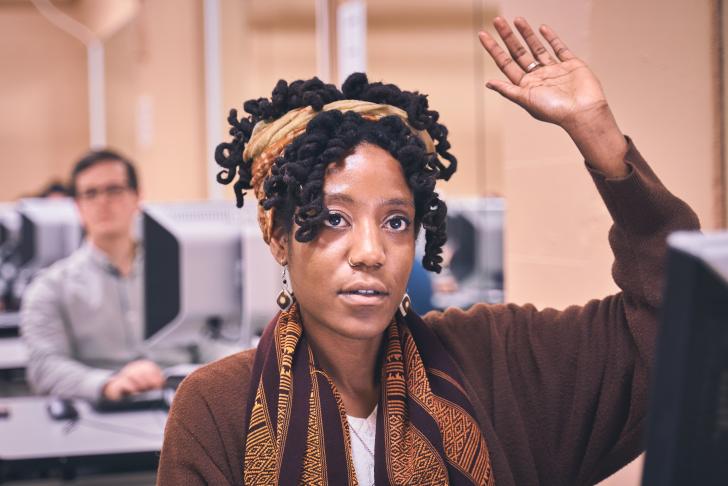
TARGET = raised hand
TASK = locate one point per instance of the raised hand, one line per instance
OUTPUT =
(558, 89)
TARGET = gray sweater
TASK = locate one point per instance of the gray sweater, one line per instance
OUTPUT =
(82, 321)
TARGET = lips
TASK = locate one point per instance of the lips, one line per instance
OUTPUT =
(365, 289)
(364, 293)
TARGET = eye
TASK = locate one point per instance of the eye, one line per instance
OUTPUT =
(335, 220)
(397, 223)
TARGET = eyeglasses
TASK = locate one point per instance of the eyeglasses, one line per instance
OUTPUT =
(112, 192)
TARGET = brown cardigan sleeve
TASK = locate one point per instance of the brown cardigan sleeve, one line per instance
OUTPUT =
(203, 438)
(562, 395)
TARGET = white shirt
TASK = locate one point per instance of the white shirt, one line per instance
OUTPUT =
(363, 431)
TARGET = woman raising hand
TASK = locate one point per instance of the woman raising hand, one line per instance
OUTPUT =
(350, 386)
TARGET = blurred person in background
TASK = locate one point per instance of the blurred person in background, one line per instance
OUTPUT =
(54, 189)
(82, 317)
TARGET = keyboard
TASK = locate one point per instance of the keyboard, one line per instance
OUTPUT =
(148, 400)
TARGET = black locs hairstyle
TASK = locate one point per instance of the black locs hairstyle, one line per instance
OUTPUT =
(295, 185)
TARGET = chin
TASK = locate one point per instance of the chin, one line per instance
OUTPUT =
(363, 327)
(108, 232)
(350, 322)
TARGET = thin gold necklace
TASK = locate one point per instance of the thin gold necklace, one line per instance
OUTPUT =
(361, 440)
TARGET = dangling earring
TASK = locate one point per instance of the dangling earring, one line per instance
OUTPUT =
(285, 297)
(405, 305)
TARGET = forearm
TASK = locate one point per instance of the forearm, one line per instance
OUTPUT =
(644, 212)
(63, 376)
(599, 139)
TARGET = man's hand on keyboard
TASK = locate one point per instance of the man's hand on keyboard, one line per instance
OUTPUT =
(135, 377)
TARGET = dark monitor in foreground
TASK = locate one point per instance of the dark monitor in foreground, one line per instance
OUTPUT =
(688, 424)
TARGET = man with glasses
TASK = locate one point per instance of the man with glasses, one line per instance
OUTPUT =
(82, 318)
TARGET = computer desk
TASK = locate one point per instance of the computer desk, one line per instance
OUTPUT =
(31, 440)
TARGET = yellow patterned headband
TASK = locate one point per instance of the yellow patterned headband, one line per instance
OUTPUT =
(270, 138)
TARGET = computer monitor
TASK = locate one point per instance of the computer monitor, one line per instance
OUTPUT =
(9, 239)
(50, 229)
(688, 423)
(207, 270)
(9, 229)
(475, 251)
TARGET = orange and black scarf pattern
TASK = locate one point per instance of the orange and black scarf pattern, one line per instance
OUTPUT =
(297, 427)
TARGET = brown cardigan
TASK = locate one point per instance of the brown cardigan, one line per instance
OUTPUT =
(561, 396)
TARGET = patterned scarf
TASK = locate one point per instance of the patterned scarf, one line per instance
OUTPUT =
(426, 430)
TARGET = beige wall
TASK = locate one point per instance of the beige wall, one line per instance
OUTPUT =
(155, 98)
(43, 105)
(722, 35)
(154, 81)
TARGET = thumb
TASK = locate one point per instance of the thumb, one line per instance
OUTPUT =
(507, 90)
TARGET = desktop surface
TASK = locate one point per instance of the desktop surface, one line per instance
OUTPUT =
(35, 435)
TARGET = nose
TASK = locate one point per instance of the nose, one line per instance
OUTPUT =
(367, 248)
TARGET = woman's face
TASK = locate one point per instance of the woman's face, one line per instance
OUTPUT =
(350, 279)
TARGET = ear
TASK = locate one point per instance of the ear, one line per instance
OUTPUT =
(279, 245)
(138, 200)
(80, 211)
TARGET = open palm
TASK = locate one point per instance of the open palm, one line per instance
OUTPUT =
(561, 90)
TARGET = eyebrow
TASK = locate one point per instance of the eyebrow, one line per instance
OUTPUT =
(346, 199)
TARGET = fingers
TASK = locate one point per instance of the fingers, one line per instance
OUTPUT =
(523, 57)
(135, 377)
(519, 53)
(537, 49)
(144, 381)
(504, 62)
(560, 49)
(144, 374)
(118, 387)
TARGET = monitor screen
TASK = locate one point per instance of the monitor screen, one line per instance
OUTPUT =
(4, 234)
(50, 229)
(9, 229)
(688, 423)
(473, 255)
(44, 231)
(201, 273)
